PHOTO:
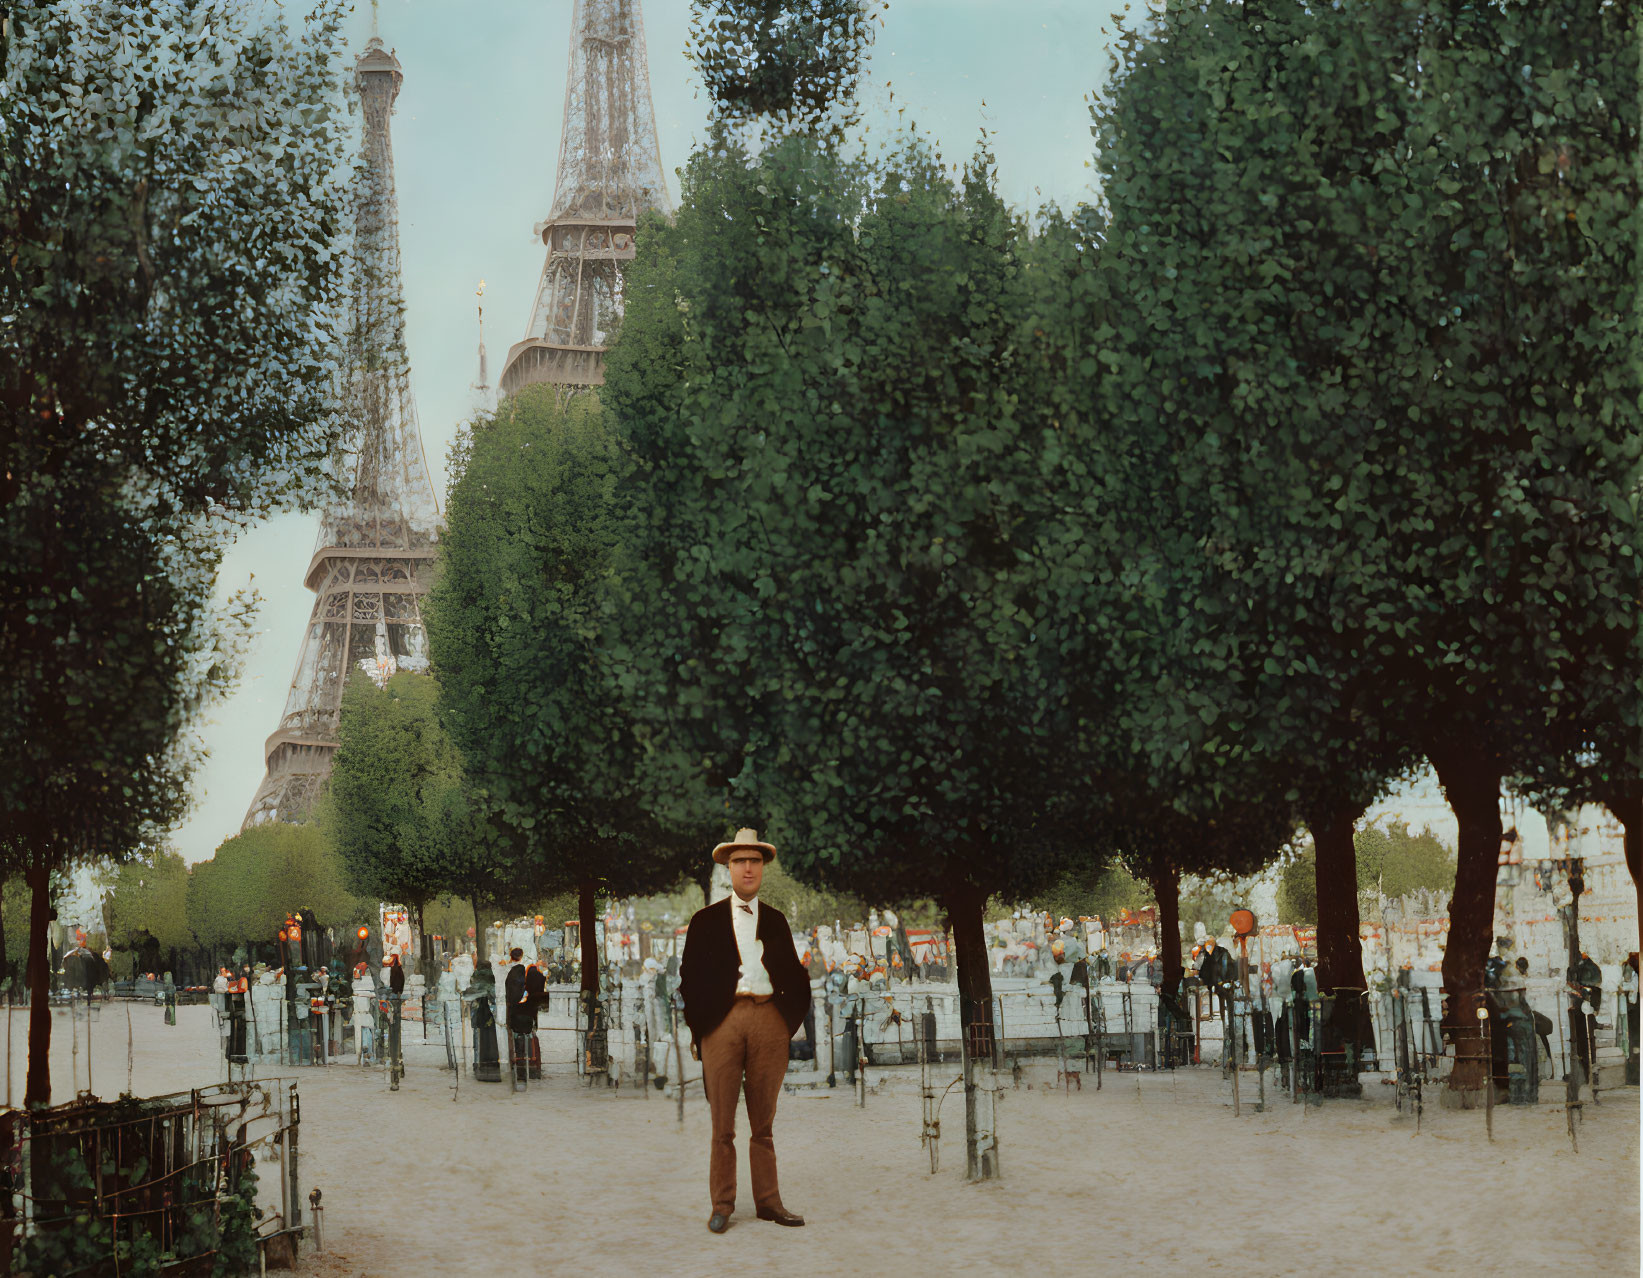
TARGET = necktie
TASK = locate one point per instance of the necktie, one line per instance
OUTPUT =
(746, 909)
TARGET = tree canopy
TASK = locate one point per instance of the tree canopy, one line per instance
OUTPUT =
(1387, 353)
(255, 879)
(149, 899)
(170, 295)
(516, 625)
(830, 372)
(389, 778)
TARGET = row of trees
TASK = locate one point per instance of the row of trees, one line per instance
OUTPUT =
(243, 894)
(159, 913)
(964, 553)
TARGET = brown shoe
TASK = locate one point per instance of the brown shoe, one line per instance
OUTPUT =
(780, 1215)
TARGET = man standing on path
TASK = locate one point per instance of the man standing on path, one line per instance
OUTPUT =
(745, 993)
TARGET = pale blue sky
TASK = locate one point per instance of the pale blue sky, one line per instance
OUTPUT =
(476, 137)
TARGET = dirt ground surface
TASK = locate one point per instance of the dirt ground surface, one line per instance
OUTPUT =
(1152, 1174)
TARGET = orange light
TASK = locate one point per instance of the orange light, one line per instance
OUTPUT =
(364, 932)
(296, 932)
(282, 934)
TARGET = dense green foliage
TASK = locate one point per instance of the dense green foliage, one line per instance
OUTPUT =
(398, 808)
(1114, 889)
(1392, 861)
(793, 64)
(224, 1231)
(147, 903)
(839, 496)
(169, 297)
(1385, 360)
(255, 879)
(142, 381)
(517, 628)
(1298, 888)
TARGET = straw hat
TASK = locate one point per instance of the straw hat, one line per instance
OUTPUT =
(744, 839)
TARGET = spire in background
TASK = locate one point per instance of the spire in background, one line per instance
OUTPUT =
(371, 563)
(482, 387)
(610, 172)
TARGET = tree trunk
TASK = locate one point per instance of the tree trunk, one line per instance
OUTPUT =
(1471, 783)
(1628, 810)
(5, 960)
(1166, 887)
(424, 952)
(37, 1092)
(1340, 948)
(1174, 1020)
(592, 1014)
(585, 901)
(479, 933)
(965, 906)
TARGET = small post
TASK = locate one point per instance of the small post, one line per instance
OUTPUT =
(1488, 1069)
(832, 1050)
(679, 1061)
(318, 1214)
(295, 1191)
(861, 1059)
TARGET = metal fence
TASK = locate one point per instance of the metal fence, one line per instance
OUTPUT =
(151, 1176)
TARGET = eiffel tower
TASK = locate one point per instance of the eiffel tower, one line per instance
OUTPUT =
(610, 171)
(371, 562)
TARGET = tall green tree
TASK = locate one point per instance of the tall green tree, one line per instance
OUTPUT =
(836, 571)
(1394, 860)
(516, 627)
(1390, 346)
(397, 808)
(147, 905)
(170, 186)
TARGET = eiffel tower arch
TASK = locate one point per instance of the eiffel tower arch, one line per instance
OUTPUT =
(610, 172)
(375, 550)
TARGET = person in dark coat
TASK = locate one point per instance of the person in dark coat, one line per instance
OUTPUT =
(536, 989)
(1218, 972)
(745, 993)
(487, 1064)
(521, 1016)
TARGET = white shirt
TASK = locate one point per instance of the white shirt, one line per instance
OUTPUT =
(744, 919)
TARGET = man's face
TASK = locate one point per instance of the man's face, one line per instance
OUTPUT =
(746, 866)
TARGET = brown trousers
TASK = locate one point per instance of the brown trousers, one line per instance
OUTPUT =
(752, 1041)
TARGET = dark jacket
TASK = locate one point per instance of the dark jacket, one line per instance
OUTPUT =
(1218, 967)
(521, 1013)
(707, 975)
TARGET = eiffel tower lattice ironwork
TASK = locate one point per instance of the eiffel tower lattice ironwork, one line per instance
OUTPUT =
(610, 171)
(371, 563)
